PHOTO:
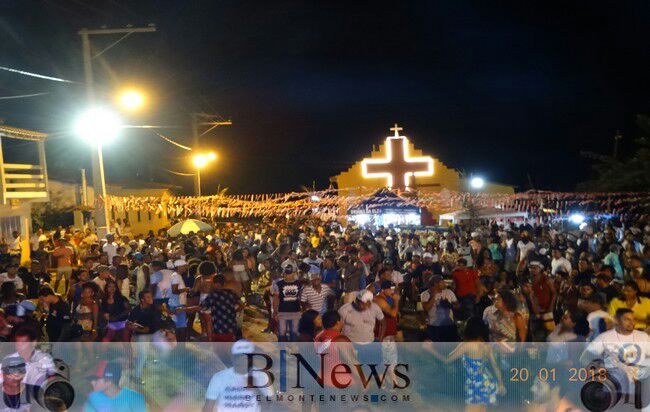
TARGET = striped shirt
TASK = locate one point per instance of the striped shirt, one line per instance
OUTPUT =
(315, 300)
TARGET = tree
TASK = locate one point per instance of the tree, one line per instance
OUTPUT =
(626, 175)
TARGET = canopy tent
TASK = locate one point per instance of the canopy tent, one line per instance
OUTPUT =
(487, 213)
(385, 208)
(189, 226)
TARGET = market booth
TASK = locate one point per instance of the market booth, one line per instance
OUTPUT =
(488, 213)
(385, 208)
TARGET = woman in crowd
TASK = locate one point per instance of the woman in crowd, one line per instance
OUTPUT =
(485, 264)
(86, 313)
(631, 298)
(483, 380)
(115, 311)
(504, 321)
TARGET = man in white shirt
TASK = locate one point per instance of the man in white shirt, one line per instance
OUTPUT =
(524, 246)
(623, 349)
(11, 275)
(599, 320)
(560, 263)
(228, 389)
(14, 244)
(110, 248)
(161, 281)
(37, 238)
(438, 302)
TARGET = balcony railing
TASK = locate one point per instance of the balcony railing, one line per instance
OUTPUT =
(23, 181)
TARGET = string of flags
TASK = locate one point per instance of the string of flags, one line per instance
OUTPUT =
(331, 203)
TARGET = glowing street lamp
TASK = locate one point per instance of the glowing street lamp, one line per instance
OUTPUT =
(99, 127)
(200, 161)
(131, 100)
(477, 183)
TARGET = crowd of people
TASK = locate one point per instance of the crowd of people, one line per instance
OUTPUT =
(323, 282)
(520, 279)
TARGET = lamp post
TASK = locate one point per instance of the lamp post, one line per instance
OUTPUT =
(200, 161)
(99, 126)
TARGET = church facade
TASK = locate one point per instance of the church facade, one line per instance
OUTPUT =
(397, 164)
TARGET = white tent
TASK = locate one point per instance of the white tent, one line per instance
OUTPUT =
(488, 213)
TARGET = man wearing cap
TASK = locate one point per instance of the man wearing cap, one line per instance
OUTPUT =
(107, 395)
(315, 296)
(359, 318)
(15, 396)
(38, 364)
(178, 299)
(438, 302)
(229, 389)
(286, 304)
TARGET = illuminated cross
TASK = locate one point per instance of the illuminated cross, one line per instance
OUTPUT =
(397, 167)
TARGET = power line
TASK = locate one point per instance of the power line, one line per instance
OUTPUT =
(168, 140)
(40, 76)
(22, 96)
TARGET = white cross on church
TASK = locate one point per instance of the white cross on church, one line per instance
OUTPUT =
(398, 166)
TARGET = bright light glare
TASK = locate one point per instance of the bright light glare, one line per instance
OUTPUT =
(131, 100)
(315, 198)
(212, 156)
(98, 126)
(577, 218)
(200, 161)
(477, 182)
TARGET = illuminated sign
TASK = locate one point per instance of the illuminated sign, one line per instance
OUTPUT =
(397, 167)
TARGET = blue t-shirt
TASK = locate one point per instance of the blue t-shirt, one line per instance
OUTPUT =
(126, 401)
(330, 276)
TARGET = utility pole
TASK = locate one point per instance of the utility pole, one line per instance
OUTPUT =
(102, 218)
(211, 121)
(617, 138)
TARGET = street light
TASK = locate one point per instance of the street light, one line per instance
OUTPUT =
(131, 99)
(477, 182)
(99, 126)
(200, 161)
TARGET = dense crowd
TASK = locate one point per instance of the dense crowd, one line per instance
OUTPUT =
(323, 282)
(527, 282)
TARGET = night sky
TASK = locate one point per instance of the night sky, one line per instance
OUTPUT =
(503, 89)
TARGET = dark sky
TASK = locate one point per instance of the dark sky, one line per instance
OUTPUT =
(504, 89)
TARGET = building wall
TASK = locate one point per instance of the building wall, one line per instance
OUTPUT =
(443, 177)
(68, 195)
(17, 216)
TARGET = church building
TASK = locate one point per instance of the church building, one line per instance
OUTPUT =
(397, 164)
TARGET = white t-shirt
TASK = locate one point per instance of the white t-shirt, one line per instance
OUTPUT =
(560, 264)
(181, 298)
(445, 294)
(616, 347)
(228, 389)
(525, 249)
(163, 280)
(111, 250)
(35, 240)
(4, 277)
(359, 326)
